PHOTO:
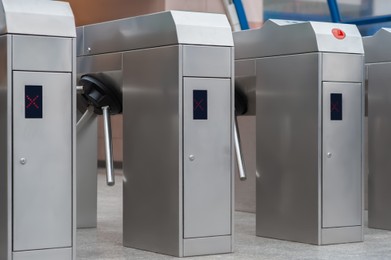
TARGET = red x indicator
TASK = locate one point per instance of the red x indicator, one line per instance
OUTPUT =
(32, 102)
(197, 104)
(335, 107)
(200, 104)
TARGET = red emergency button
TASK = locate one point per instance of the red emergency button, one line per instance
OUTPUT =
(338, 33)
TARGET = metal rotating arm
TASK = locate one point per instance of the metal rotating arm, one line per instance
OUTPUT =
(85, 117)
(110, 178)
(240, 109)
(239, 155)
(104, 100)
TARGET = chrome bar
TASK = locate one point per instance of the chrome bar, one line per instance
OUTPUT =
(110, 179)
(85, 117)
(80, 89)
(239, 155)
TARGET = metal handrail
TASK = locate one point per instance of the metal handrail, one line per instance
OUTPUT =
(241, 14)
(336, 16)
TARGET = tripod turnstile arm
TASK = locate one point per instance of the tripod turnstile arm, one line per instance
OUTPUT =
(85, 117)
(110, 179)
(239, 155)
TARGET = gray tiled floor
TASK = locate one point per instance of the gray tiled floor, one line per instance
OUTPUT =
(105, 242)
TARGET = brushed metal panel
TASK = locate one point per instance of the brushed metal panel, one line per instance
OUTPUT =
(379, 143)
(342, 175)
(152, 190)
(287, 147)
(156, 30)
(87, 170)
(206, 61)
(342, 235)
(376, 47)
(50, 254)
(130, 34)
(42, 208)
(79, 41)
(39, 53)
(38, 18)
(5, 112)
(342, 67)
(99, 63)
(207, 179)
(327, 42)
(207, 245)
(202, 28)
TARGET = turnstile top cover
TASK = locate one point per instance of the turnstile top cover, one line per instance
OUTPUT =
(281, 37)
(378, 47)
(37, 17)
(154, 30)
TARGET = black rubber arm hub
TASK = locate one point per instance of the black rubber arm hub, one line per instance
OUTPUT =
(240, 102)
(100, 95)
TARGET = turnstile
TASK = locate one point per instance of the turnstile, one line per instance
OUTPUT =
(378, 68)
(174, 70)
(309, 128)
(37, 144)
(94, 98)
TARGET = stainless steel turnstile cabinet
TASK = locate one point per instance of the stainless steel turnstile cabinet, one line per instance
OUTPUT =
(309, 128)
(37, 56)
(378, 73)
(174, 70)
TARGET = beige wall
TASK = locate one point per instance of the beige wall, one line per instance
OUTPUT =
(254, 8)
(93, 11)
(254, 12)
(212, 6)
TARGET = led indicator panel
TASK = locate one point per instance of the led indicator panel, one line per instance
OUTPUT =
(33, 101)
(335, 106)
(200, 104)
